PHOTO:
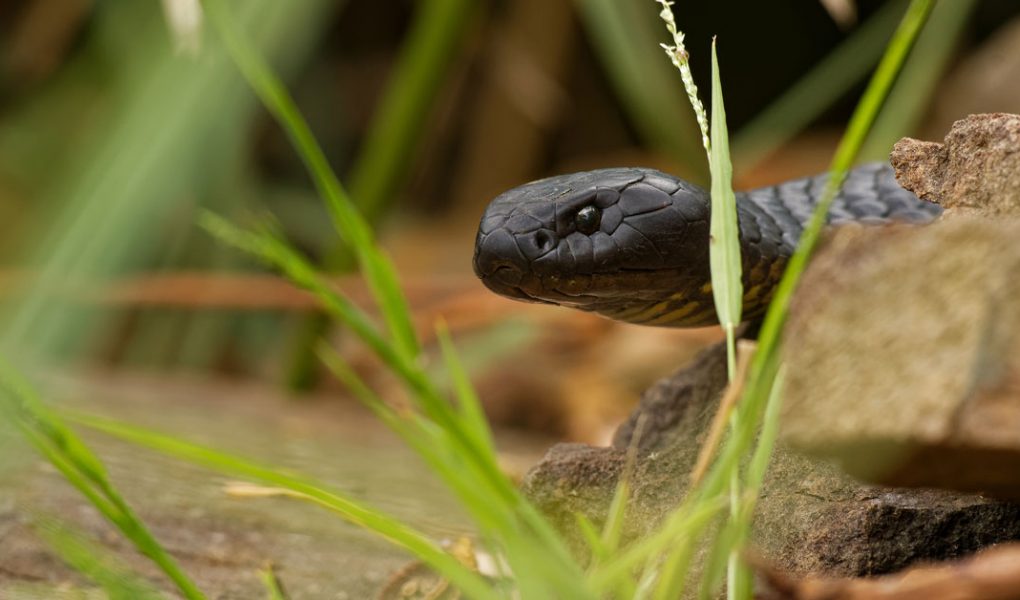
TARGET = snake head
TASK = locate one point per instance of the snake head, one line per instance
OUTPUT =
(628, 243)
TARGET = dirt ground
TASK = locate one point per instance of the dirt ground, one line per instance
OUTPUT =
(220, 540)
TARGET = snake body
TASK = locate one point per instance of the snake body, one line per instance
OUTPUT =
(632, 243)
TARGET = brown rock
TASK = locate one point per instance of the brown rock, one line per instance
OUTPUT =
(976, 170)
(902, 364)
(903, 356)
(993, 574)
(811, 517)
(903, 343)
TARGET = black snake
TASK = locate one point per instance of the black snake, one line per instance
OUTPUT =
(632, 243)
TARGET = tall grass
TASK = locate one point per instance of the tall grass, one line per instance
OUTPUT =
(437, 33)
(20, 405)
(643, 83)
(450, 433)
(165, 126)
(763, 392)
(93, 561)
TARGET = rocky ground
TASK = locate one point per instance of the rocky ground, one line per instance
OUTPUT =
(900, 427)
(221, 539)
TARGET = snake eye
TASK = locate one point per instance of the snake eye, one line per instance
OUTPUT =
(588, 219)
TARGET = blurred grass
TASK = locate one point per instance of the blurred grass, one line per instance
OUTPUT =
(904, 110)
(431, 48)
(94, 561)
(622, 33)
(169, 124)
(452, 437)
(831, 79)
(272, 583)
(301, 488)
(61, 446)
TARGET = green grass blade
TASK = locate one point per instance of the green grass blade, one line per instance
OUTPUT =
(435, 446)
(742, 585)
(612, 532)
(819, 89)
(529, 544)
(436, 35)
(922, 72)
(267, 247)
(471, 413)
(679, 527)
(94, 561)
(272, 583)
(759, 463)
(376, 267)
(720, 564)
(82, 469)
(25, 407)
(389, 528)
(650, 95)
(860, 123)
(480, 461)
(724, 239)
(591, 536)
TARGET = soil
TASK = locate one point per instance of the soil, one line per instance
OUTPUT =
(220, 540)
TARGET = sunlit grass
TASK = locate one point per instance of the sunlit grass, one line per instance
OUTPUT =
(448, 430)
(94, 561)
(725, 265)
(621, 33)
(437, 34)
(62, 447)
(761, 397)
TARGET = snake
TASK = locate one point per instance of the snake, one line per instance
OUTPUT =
(632, 243)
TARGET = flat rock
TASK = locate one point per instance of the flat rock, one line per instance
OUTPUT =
(219, 539)
(902, 343)
(903, 356)
(812, 518)
(901, 367)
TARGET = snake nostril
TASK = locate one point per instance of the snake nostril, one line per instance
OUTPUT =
(544, 240)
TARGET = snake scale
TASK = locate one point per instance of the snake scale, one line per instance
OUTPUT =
(632, 243)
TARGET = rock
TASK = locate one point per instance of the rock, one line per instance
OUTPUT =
(902, 344)
(975, 171)
(992, 574)
(901, 354)
(811, 517)
(911, 375)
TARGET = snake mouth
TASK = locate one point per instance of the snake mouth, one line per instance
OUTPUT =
(513, 292)
(505, 279)
(508, 279)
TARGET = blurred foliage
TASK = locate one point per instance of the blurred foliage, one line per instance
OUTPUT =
(110, 141)
(160, 133)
